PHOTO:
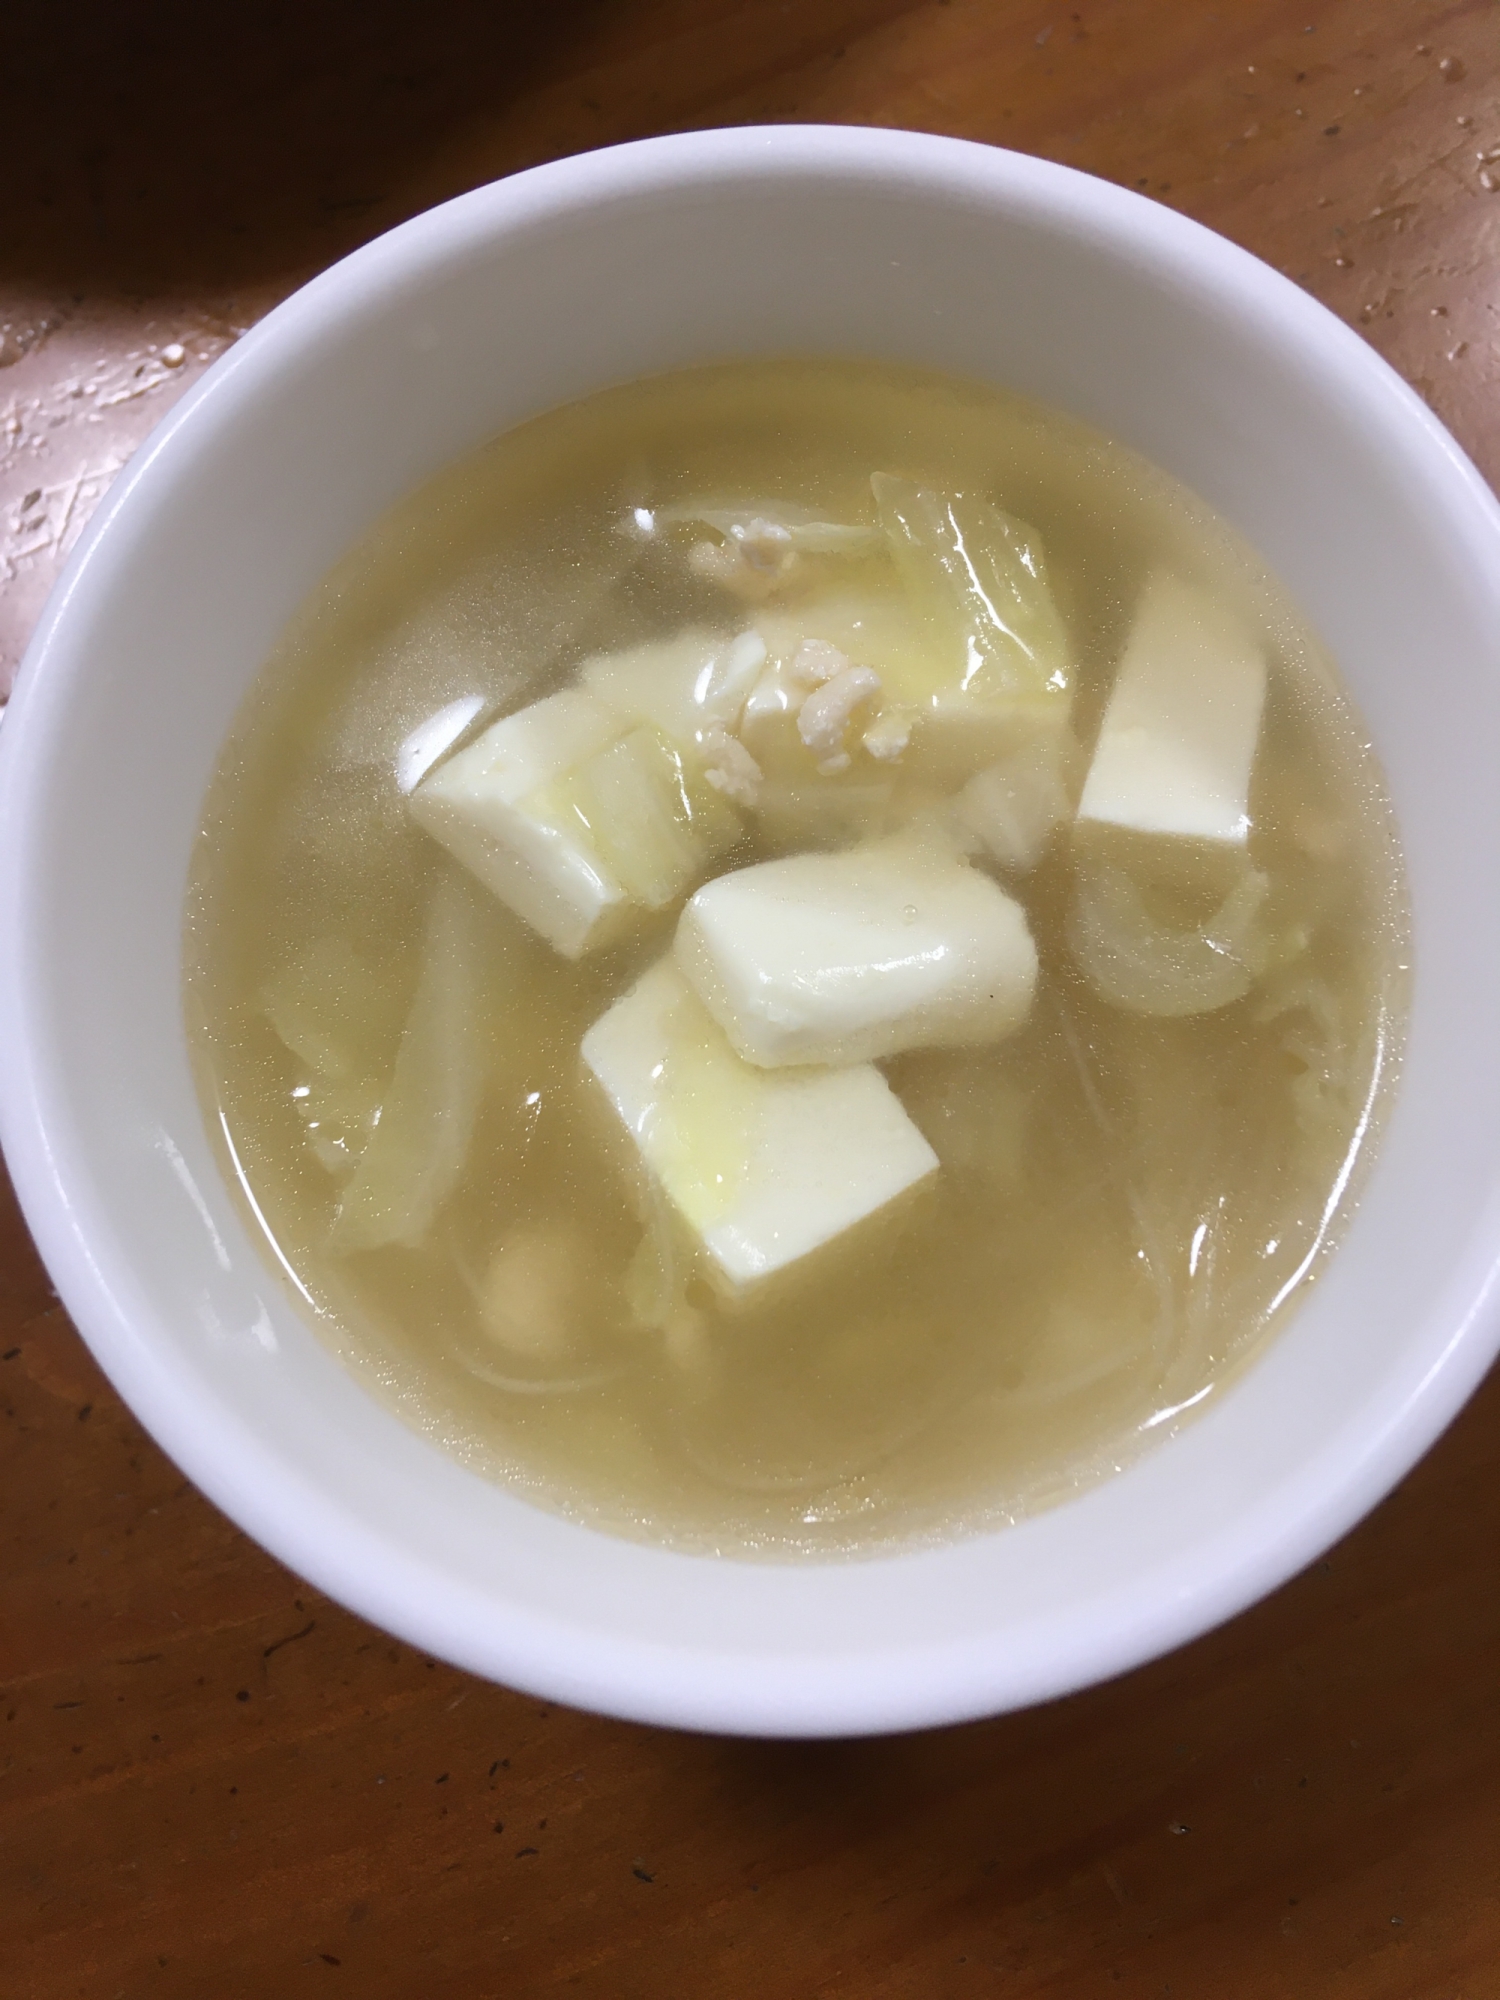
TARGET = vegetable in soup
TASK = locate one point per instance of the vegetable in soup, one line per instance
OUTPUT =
(798, 957)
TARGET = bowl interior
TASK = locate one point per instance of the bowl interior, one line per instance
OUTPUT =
(460, 325)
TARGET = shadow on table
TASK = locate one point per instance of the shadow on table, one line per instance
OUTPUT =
(1332, 1739)
(187, 146)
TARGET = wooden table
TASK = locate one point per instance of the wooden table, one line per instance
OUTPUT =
(213, 1782)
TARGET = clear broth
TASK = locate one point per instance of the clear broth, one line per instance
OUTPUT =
(1127, 1206)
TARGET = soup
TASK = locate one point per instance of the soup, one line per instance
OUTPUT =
(798, 957)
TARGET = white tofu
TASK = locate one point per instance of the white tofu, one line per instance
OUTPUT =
(1178, 740)
(482, 805)
(432, 739)
(576, 812)
(871, 629)
(845, 958)
(682, 685)
(764, 1167)
(951, 734)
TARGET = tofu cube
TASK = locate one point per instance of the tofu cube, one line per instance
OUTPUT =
(1177, 744)
(952, 733)
(846, 958)
(682, 686)
(577, 816)
(764, 1167)
(482, 804)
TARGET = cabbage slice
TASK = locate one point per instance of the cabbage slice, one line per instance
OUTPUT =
(652, 818)
(981, 577)
(417, 1150)
(1306, 1012)
(1137, 961)
(804, 530)
(327, 1009)
(340, 1022)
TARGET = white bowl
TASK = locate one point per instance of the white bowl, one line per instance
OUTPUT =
(455, 327)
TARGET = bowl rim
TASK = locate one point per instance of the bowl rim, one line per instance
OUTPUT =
(919, 1685)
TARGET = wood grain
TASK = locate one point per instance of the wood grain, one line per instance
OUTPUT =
(213, 1782)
